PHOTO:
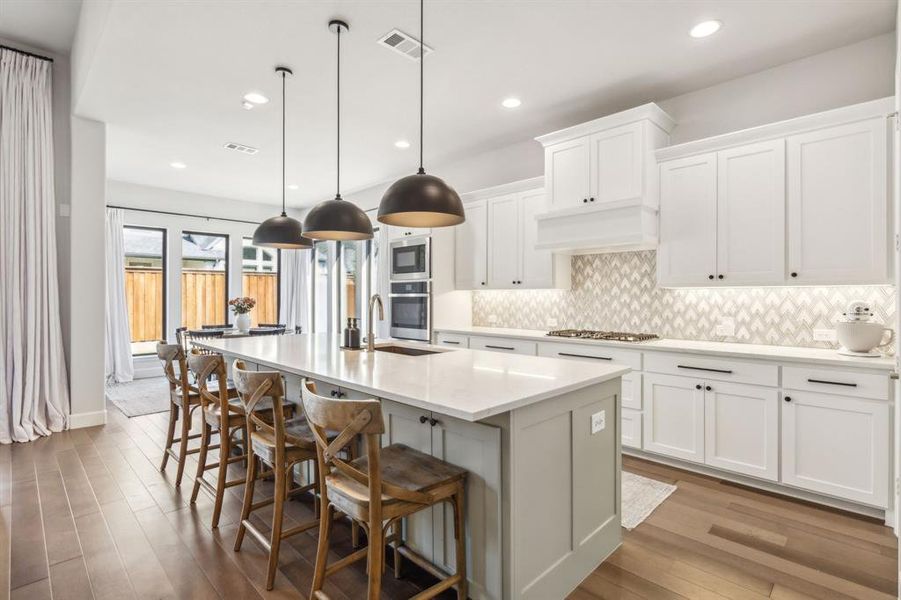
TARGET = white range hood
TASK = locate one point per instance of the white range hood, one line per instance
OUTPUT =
(601, 183)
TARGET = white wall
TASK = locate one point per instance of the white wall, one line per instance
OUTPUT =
(87, 264)
(847, 75)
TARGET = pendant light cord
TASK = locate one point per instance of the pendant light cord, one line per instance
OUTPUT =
(421, 75)
(338, 176)
(284, 214)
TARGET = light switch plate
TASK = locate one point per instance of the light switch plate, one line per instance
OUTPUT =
(824, 335)
(726, 327)
(598, 421)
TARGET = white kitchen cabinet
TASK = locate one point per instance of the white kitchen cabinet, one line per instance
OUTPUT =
(687, 251)
(452, 340)
(540, 268)
(399, 233)
(566, 171)
(471, 248)
(838, 222)
(504, 242)
(512, 346)
(836, 445)
(742, 428)
(630, 422)
(750, 214)
(617, 164)
(477, 448)
(674, 416)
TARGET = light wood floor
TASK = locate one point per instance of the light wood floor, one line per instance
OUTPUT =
(86, 514)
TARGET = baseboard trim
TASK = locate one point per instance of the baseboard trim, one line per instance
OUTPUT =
(87, 419)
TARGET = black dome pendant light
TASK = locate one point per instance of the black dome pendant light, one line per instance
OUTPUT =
(337, 219)
(421, 200)
(282, 232)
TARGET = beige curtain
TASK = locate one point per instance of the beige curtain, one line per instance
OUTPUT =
(34, 394)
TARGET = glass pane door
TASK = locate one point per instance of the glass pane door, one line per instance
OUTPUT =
(204, 279)
(145, 287)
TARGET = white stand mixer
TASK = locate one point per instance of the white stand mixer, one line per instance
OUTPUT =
(858, 335)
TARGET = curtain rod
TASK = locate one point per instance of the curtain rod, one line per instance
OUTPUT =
(26, 53)
(178, 214)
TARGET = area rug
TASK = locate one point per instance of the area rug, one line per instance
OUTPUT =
(140, 397)
(640, 497)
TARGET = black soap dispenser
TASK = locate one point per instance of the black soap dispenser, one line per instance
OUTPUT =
(352, 334)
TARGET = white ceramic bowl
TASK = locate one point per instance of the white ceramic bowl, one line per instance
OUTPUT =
(861, 336)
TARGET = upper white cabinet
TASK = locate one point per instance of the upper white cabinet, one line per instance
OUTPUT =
(837, 204)
(803, 201)
(495, 247)
(601, 182)
(398, 233)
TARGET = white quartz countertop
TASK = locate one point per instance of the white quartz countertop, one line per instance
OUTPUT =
(819, 356)
(467, 384)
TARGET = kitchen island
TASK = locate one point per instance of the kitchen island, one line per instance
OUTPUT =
(539, 437)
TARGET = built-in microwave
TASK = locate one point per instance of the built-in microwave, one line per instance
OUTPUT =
(410, 309)
(410, 259)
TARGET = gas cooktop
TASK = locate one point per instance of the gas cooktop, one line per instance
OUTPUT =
(616, 336)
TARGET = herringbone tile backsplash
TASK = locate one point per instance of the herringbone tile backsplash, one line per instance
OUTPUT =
(618, 292)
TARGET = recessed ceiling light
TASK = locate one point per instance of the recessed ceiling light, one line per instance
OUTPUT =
(511, 102)
(178, 165)
(256, 98)
(402, 144)
(293, 186)
(705, 28)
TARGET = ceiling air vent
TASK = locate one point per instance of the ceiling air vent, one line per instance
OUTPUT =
(241, 148)
(404, 44)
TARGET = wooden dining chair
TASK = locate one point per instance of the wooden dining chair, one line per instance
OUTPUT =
(223, 326)
(377, 490)
(190, 336)
(223, 413)
(261, 330)
(184, 398)
(280, 444)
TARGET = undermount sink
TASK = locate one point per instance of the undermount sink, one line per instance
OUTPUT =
(406, 350)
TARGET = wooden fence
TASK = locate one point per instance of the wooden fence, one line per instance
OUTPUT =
(203, 300)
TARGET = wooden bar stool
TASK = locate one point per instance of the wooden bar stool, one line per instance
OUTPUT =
(184, 398)
(280, 444)
(378, 489)
(223, 413)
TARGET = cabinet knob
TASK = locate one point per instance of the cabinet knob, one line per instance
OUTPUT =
(708, 388)
(697, 387)
(433, 421)
(591, 199)
(788, 398)
(483, 283)
(720, 276)
(710, 277)
(423, 418)
(794, 274)
(334, 393)
(585, 200)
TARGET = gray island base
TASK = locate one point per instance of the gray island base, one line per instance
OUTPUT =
(539, 436)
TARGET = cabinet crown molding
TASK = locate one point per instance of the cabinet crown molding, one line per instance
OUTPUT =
(646, 112)
(829, 118)
(523, 185)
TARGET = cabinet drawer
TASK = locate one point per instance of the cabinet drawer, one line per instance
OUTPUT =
(452, 340)
(703, 368)
(632, 391)
(502, 345)
(631, 428)
(630, 358)
(831, 381)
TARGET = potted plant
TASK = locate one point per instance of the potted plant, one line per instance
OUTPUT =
(242, 306)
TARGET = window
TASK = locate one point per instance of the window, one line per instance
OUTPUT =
(345, 275)
(323, 253)
(204, 279)
(145, 287)
(260, 281)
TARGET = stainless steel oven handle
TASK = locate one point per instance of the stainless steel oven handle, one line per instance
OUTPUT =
(408, 295)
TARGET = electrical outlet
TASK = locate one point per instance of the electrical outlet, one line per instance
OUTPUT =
(824, 335)
(552, 323)
(492, 319)
(598, 421)
(726, 327)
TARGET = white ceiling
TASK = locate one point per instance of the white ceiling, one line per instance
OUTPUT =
(46, 24)
(168, 78)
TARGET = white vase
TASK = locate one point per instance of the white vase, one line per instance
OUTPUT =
(242, 322)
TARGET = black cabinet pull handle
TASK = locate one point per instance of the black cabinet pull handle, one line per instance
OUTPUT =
(720, 276)
(708, 388)
(450, 342)
(699, 386)
(710, 277)
(788, 398)
(423, 418)
(726, 371)
(483, 283)
(500, 347)
(832, 382)
(433, 421)
(584, 356)
(794, 274)
(591, 199)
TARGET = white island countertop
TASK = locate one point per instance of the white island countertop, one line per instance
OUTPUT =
(467, 384)
(821, 356)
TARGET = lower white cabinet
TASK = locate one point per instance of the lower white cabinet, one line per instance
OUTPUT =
(503, 345)
(836, 445)
(631, 428)
(674, 416)
(742, 429)
(477, 448)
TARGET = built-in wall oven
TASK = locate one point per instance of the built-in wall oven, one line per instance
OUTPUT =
(410, 310)
(410, 259)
